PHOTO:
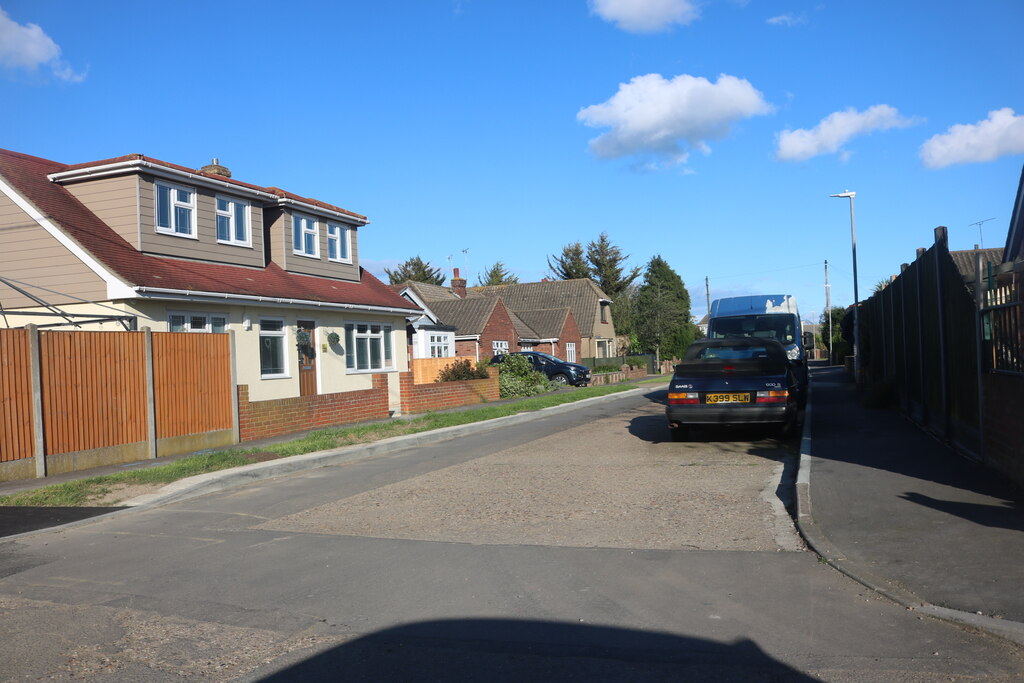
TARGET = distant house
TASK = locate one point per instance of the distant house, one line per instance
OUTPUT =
(146, 242)
(590, 307)
(543, 319)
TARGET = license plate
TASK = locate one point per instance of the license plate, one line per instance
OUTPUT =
(727, 398)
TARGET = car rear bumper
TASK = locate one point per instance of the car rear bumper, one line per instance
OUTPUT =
(730, 414)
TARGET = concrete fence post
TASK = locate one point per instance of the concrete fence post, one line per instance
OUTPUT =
(150, 394)
(234, 388)
(36, 372)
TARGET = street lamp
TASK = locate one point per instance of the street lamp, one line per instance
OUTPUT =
(856, 298)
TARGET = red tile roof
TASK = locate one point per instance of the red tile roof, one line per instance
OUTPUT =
(28, 176)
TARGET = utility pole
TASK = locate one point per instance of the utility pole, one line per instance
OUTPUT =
(707, 294)
(828, 307)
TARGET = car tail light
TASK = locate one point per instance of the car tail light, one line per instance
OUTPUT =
(772, 396)
(688, 398)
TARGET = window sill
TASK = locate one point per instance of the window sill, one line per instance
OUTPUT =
(171, 233)
(350, 371)
(315, 257)
(235, 244)
(262, 377)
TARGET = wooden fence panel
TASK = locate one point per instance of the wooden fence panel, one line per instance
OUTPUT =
(16, 433)
(192, 383)
(427, 370)
(94, 389)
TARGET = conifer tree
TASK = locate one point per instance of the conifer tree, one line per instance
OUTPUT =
(417, 270)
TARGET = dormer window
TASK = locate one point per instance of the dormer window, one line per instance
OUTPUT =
(175, 210)
(339, 246)
(305, 238)
(233, 222)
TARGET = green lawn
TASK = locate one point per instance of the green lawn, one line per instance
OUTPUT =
(81, 492)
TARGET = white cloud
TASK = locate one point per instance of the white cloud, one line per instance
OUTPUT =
(788, 20)
(1002, 133)
(28, 47)
(668, 118)
(835, 130)
(645, 16)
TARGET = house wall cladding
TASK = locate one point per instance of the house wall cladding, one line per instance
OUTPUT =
(263, 419)
(421, 398)
(94, 398)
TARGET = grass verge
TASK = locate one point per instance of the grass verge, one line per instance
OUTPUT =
(82, 492)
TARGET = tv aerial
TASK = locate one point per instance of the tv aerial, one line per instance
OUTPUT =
(981, 240)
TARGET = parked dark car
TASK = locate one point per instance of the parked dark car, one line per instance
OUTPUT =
(556, 369)
(734, 381)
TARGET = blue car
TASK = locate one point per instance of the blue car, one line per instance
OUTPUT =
(732, 382)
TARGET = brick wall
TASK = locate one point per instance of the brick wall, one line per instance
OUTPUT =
(262, 419)
(620, 376)
(570, 335)
(421, 398)
(499, 327)
(1004, 429)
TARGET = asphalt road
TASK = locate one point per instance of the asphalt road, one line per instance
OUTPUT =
(580, 546)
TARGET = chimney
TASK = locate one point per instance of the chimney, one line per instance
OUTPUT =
(458, 285)
(216, 169)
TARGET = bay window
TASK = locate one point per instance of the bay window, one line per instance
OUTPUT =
(368, 347)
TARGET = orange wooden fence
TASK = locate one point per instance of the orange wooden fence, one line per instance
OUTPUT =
(192, 383)
(94, 389)
(427, 370)
(16, 436)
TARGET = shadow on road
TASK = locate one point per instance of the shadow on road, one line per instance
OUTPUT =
(519, 650)
(1008, 515)
(22, 519)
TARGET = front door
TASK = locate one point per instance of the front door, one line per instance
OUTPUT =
(307, 357)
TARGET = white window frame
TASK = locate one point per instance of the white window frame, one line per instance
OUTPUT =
(383, 338)
(303, 226)
(340, 236)
(570, 352)
(189, 319)
(234, 205)
(439, 345)
(281, 334)
(172, 228)
(499, 347)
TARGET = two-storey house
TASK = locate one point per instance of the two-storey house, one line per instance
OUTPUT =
(187, 250)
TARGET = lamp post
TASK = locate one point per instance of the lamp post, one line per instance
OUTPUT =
(856, 297)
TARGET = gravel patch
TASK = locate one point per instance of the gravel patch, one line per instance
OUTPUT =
(597, 485)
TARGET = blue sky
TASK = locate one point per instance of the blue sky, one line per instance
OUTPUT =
(472, 131)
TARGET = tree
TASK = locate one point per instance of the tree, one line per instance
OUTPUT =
(571, 264)
(879, 286)
(606, 269)
(840, 346)
(417, 270)
(662, 311)
(496, 275)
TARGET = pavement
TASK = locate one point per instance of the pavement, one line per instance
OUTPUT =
(892, 507)
(876, 497)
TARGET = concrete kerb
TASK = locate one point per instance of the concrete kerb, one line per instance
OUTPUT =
(217, 481)
(827, 551)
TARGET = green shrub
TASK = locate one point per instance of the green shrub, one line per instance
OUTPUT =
(518, 379)
(462, 370)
